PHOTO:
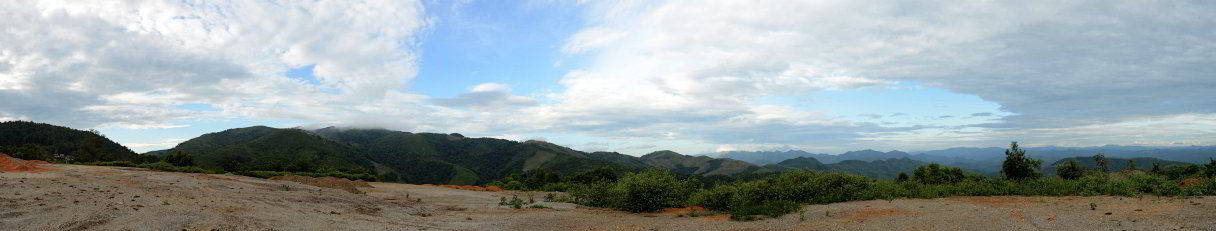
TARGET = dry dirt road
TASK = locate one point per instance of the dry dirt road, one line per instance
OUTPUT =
(71, 197)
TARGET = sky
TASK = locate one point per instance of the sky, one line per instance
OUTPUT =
(695, 76)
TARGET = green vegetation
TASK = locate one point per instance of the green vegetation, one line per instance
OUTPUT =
(645, 191)
(1017, 165)
(937, 174)
(159, 166)
(1071, 171)
(39, 141)
(774, 195)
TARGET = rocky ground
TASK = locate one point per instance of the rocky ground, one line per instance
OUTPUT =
(72, 197)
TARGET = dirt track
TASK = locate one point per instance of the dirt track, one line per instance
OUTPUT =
(71, 197)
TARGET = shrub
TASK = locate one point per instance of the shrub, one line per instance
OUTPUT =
(934, 173)
(1070, 170)
(652, 190)
(646, 191)
(180, 158)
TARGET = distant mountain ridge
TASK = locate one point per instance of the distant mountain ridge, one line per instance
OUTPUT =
(455, 159)
(984, 160)
(1112, 163)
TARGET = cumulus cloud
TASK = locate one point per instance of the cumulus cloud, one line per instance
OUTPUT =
(1049, 64)
(126, 63)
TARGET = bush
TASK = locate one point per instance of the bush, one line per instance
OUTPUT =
(646, 191)
(934, 173)
(651, 190)
(180, 158)
(1070, 171)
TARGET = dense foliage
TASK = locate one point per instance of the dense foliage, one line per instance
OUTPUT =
(778, 194)
(1071, 171)
(645, 191)
(934, 173)
(1017, 165)
(39, 141)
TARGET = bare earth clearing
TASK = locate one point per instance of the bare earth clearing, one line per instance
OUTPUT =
(71, 197)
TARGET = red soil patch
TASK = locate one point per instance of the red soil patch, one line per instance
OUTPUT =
(871, 213)
(326, 182)
(995, 201)
(10, 164)
(1189, 182)
(681, 211)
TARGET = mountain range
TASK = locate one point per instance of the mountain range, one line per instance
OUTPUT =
(455, 159)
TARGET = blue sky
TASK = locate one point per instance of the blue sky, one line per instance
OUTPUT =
(625, 76)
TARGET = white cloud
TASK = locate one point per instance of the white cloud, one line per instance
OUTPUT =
(590, 38)
(125, 63)
(1049, 64)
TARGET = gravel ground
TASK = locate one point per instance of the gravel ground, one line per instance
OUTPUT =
(74, 197)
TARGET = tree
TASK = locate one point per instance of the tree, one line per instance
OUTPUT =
(1071, 170)
(1156, 168)
(1210, 169)
(180, 158)
(1131, 164)
(934, 173)
(1017, 166)
(31, 152)
(902, 177)
(1100, 160)
(602, 174)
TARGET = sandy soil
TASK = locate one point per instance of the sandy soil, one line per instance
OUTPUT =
(71, 197)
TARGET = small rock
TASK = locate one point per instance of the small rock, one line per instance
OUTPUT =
(1109, 213)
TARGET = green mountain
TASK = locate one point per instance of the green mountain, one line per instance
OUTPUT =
(394, 155)
(885, 169)
(266, 148)
(30, 140)
(697, 165)
(1112, 163)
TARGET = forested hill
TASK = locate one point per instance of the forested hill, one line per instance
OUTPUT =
(31, 140)
(394, 155)
(884, 169)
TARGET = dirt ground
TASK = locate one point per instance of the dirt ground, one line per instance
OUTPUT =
(71, 197)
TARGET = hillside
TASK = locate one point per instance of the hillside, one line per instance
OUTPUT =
(272, 149)
(883, 169)
(697, 165)
(30, 140)
(394, 155)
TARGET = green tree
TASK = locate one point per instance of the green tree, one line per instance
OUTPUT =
(1071, 170)
(902, 177)
(1017, 166)
(1100, 160)
(180, 158)
(1210, 169)
(1156, 168)
(1131, 164)
(934, 173)
(603, 174)
(31, 152)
